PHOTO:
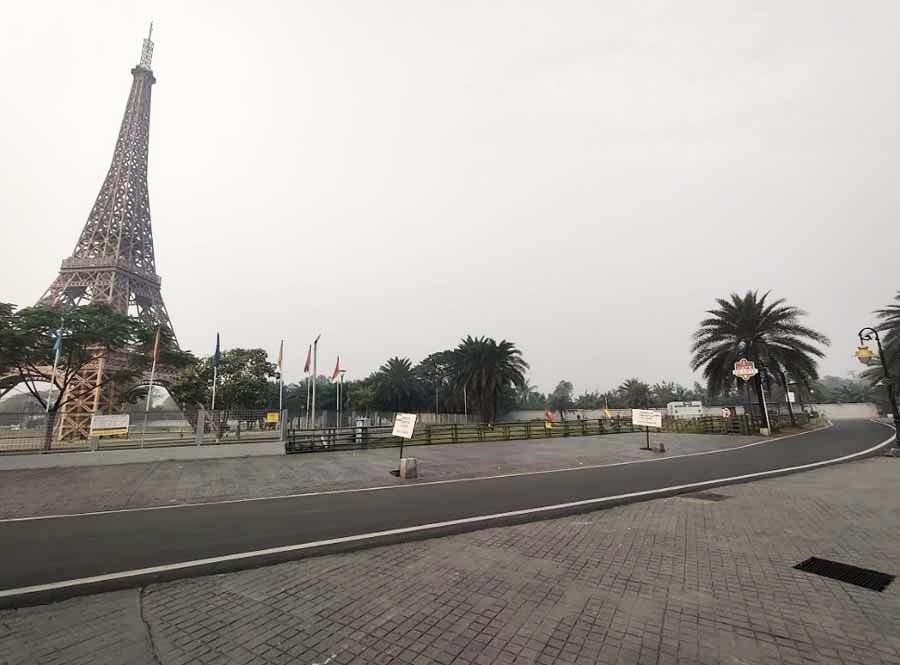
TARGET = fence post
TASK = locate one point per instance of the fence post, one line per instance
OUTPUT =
(282, 422)
(527, 429)
(201, 425)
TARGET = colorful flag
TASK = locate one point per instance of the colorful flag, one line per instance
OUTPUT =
(308, 359)
(337, 369)
(218, 353)
(280, 354)
(548, 414)
(57, 342)
(156, 345)
(607, 413)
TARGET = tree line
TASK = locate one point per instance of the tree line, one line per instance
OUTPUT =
(480, 375)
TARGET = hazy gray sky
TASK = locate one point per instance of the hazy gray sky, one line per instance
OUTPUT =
(582, 178)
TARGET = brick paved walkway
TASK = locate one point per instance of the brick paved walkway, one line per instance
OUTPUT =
(677, 580)
(26, 492)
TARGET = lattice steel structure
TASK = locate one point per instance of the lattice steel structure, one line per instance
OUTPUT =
(113, 261)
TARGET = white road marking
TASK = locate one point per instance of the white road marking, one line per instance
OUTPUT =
(379, 488)
(38, 588)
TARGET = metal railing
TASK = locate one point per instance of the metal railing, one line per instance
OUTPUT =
(354, 438)
(38, 432)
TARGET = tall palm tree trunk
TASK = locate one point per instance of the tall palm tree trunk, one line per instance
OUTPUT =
(760, 398)
(787, 398)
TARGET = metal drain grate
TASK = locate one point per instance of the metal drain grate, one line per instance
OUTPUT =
(705, 496)
(842, 572)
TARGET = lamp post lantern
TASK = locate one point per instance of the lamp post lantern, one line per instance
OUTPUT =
(866, 357)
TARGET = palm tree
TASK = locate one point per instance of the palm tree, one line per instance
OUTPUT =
(890, 344)
(770, 334)
(890, 341)
(524, 392)
(396, 385)
(634, 393)
(484, 368)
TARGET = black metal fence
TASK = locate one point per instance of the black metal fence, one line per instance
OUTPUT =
(353, 438)
(41, 432)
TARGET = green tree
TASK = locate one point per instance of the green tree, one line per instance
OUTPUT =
(528, 397)
(664, 392)
(397, 387)
(634, 394)
(873, 375)
(589, 400)
(244, 381)
(890, 326)
(28, 337)
(561, 398)
(769, 333)
(484, 367)
(434, 376)
(362, 395)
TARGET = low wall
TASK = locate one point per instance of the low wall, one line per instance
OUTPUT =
(832, 411)
(139, 455)
(846, 411)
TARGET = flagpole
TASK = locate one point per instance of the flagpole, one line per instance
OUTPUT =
(280, 378)
(149, 398)
(315, 354)
(215, 380)
(307, 400)
(53, 374)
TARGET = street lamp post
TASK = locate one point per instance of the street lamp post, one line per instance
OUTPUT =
(864, 354)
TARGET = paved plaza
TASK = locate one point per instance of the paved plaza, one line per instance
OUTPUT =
(678, 580)
(28, 492)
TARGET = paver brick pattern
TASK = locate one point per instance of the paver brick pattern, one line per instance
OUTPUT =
(28, 492)
(677, 580)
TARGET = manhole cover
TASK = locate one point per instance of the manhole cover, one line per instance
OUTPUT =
(843, 572)
(705, 496)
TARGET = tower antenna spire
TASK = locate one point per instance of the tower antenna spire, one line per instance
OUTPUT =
(147, 50)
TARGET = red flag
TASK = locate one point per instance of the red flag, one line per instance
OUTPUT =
(548, 414)
(308, 360)
(337, 369)
(156, 345)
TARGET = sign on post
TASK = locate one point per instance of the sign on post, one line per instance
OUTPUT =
(272, 417)
(745, 369)
(117, 425)
(646, 418)
(404, 425)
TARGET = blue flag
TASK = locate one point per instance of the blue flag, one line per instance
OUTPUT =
(57, 343)
(218, 353)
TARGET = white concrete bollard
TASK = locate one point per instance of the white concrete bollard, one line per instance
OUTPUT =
(409, 468)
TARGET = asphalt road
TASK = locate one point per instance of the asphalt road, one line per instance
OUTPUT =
(42, 551)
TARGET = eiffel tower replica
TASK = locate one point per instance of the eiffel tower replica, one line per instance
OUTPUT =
(113, 261)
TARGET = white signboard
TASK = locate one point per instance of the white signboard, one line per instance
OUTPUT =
(745, 369)
(646, 418)
(404, 425)
(110, 425)
(685, 410)
(791, 396)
